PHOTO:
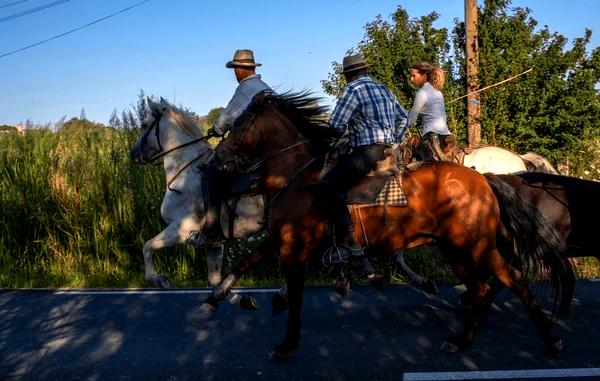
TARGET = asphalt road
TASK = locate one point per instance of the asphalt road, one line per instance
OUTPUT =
(369, 335)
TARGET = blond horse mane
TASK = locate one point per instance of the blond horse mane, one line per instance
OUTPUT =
(183, 118)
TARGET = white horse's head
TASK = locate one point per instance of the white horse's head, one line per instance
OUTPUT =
(164, 130)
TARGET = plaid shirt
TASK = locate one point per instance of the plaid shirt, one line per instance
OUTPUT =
(370, 113)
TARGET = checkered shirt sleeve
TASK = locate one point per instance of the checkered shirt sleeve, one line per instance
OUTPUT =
(370, 112)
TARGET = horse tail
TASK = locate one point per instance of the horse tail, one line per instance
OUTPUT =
(537, 244)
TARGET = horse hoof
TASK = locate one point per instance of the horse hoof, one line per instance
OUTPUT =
(376, 281)
(163, 282)
(555, 349)
(342, 286)
(278, 357)
(209, 306)
(249, 303)
(448, 347)
(430, 287)
(278, 304)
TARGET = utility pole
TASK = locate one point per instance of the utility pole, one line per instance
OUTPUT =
(472, 54)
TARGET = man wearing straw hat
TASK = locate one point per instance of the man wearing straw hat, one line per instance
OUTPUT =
(250, 84)
(374, 120)
(213, 185)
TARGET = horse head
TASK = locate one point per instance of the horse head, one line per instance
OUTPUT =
(148, 143)
(164, 130)
(274, 124)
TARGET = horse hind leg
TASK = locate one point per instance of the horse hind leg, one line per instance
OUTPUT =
(482, 296)
(515, 281)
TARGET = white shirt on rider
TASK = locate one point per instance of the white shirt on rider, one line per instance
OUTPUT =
(246, 90)
(429, 106)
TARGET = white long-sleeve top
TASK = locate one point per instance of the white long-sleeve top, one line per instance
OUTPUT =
(242, 97)
(429, 105)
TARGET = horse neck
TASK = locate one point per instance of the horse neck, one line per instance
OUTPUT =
(283, 165)
(173, 135)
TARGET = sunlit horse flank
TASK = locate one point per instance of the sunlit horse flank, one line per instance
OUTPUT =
(568, 203)
(461, 208)
(172, 134)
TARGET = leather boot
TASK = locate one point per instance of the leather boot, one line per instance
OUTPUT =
(211, 231)
(351, 242)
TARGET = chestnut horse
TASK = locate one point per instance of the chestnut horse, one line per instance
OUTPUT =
(448, 203)
(566, 203)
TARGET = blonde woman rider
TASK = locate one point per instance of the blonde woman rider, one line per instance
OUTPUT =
(429, 111)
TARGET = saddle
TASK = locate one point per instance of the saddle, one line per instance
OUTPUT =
(418, 151)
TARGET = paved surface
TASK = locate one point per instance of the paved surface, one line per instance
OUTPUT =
(369, 335)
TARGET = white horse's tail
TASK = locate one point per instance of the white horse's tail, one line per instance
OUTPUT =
(538, 163)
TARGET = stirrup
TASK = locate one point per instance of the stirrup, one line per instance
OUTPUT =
(340, 254)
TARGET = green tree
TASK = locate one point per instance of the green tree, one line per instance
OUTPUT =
(390, 49)
(553, 110)
(213, 114)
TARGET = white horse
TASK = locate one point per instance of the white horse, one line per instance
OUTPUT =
(538, 163)
(501, 161)
(171, 134)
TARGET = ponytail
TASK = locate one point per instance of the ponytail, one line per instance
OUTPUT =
(435, 75)
(437, 78)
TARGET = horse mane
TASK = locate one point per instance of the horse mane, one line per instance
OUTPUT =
(304, 112)
(182, 117)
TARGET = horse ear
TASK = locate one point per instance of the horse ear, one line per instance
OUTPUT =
(163, 101)
(153, 106)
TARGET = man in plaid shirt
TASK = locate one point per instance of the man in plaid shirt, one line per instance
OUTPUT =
(374, 120)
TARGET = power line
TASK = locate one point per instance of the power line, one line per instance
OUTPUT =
(73, 30)
(33, 10)
(16, 2)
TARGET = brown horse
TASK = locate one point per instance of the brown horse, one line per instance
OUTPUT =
(565, 202)
(448, 203)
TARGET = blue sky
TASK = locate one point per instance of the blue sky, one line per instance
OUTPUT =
(177, 49)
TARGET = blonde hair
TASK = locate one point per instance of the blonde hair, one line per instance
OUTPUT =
(435, 75)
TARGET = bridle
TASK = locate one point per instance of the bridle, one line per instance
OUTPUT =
(161, 152)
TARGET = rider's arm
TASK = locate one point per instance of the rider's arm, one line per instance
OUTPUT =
(235, 108)
(401, 122)
(344, 110)
(419, 103)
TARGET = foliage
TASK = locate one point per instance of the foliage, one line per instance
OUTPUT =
(7, 128)
(553, 110)
(213, 115)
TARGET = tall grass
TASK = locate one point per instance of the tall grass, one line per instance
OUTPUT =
(75, 212)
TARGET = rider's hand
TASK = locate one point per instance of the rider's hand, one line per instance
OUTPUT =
(212, 132)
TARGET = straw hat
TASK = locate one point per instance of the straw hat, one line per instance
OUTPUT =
(242, 58)
(354, 62)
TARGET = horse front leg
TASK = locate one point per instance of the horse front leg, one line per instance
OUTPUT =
(214, 262)
(223, 288)
(168, 237)
(424, 284)
(294, 276)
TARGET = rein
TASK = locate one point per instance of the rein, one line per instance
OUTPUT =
(257, 164)
(161, 152)
(280, 191)
(288, 182)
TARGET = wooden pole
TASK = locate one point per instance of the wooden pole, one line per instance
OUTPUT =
(472, 54)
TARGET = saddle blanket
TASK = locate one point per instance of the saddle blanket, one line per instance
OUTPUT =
(378, 190)
(393, 192)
